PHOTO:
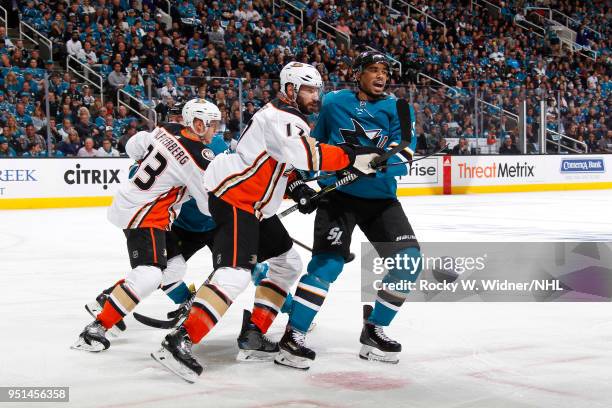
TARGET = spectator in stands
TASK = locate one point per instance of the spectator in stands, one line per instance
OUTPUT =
(88, 149)
(21, 116)
(509, 147)
(31, 137)
(39, 119)
(5, 105)
(605, 144)
(117, 79)
(65, 128)
(441, 146)
(5, 149)
(461, 148)
(88, 97)
(592, 143)
(35, 150)
(70, 147)
(107, 149)
(84, 127)
(169, 90)
(73, 45)
(72, 92)
(4, 38)
(87, 55)
(109, 133)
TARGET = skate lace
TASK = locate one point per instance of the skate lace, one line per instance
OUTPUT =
(267, 341)
(298, 337)
(381, 334)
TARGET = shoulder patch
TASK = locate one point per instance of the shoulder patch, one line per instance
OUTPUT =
(208, 154)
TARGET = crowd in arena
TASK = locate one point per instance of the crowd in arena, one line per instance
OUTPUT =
(464, 66)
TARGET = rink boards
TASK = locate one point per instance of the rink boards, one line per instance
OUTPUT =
(73, 182)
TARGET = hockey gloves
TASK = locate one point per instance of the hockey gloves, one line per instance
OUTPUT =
(360, 158)
(303, 195)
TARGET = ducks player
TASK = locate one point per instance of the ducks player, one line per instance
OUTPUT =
(366, 117)
(246, 189)
(170, 168)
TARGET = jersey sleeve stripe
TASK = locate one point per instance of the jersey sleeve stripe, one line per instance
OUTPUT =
(308, 152)
(232, 179)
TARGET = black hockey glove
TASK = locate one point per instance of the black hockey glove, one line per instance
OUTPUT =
(303, 195)
(360, 158)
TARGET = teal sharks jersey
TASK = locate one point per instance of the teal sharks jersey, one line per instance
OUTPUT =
(190, 218)
(346, 119)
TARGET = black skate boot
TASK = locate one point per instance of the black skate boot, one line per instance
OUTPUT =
(92, 338)
(375, 344)
(292, 352)
(253, 344)
(175, 354)
(94, 308)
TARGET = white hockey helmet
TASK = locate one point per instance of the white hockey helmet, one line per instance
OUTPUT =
(200, 109)
(298, 74)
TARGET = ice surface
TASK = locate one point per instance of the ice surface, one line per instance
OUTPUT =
(455, 355)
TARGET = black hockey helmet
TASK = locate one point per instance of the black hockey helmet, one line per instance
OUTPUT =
(367, 58)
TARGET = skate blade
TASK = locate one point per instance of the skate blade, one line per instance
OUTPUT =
(287, 359)
(165, 358)
(255, 355)
(374, 354)
(94, 310)
(94, 347)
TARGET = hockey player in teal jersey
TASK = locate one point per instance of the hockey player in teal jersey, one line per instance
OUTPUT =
(367, 117)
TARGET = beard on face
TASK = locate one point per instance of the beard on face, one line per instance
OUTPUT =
(307, 109)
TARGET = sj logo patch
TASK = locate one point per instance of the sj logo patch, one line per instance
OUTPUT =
(334, 236)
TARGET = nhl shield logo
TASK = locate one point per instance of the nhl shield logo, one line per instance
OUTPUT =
(208, 154)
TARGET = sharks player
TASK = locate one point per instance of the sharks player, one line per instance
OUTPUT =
(246, 189)
(367, 117)
(171, 166)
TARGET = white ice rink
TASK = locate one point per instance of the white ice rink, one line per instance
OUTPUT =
(488, 355)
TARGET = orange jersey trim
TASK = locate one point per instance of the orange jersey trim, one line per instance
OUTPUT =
(158, 215)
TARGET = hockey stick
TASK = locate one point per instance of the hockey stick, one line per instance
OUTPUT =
(409, 162)
(349, 178)
(329, 175)
(403, 113)
(157, 323)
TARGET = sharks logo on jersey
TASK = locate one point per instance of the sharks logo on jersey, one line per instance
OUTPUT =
(352, 135)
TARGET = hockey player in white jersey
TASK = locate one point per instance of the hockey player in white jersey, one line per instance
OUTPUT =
(170, 168)
(246, 190)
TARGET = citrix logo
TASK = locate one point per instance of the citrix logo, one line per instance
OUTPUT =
(104, 177)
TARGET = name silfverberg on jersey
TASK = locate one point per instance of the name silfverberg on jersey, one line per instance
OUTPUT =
(175, 149)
